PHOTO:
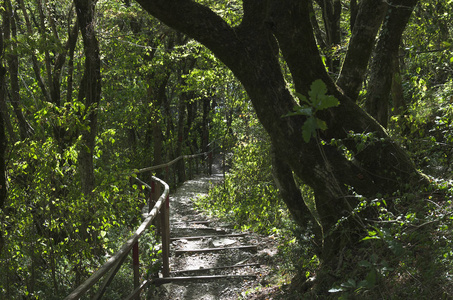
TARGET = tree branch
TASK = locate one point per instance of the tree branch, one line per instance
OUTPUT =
(196, 21)
(366, 26)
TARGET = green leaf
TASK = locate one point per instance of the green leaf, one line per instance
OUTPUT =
(321, 124)
(351, 283)
(364, 263)
(327, 101)
(371, 278)
(305, 110)
(300, 110)
(319, 99)
(309, 128)
(317, 88)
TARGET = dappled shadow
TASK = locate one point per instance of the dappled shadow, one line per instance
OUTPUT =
(188, 222)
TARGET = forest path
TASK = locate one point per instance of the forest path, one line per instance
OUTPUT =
(188, 224)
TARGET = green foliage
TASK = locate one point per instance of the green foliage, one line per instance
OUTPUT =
(405, 255)
(150, 262)
(248, 196)
(426, 130)
(230, 11)
(317, 100)
(54, 236)
(428, 42)
(47, 229)
(249, 199)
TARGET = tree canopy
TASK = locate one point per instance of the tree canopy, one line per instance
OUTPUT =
(346, 103)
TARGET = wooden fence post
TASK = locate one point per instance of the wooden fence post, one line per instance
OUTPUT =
(152, 195)
(155, 194)
(136, 267)
(165, 228)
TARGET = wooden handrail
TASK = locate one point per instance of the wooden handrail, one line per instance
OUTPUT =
(124, 250)
(117, 259)
(169, 163)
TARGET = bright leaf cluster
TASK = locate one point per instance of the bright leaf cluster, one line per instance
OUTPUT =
(318, 100)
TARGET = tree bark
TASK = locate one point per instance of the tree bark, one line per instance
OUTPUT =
(160, 98)
(316, 29)
(89, 92)
(353, 8)
(3, 106)
(291, 195)
(180, 142)
(366, 25)
(73, 36)
(3, 140)
(184, 98)
(205, 131)
(385, 59)
(399, 104)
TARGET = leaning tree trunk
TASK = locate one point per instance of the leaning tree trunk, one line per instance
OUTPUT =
(89, 93)
(291, 195)
(251, 51)
(385, 59)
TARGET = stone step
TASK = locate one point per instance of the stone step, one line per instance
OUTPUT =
(248, 247)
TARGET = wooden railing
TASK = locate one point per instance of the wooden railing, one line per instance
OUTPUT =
(155, 206)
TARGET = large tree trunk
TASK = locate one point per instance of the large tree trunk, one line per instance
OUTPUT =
(291, 195)
(89, 92)
(156, 95)
(159, 98)
(366, 25)
(385, 58)
(251, 51)
(180, 166)
(354, 8)
(399, 103)
(3, 140)
(205, 132)
(3, 106)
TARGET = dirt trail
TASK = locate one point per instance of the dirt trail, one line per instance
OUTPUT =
(187, 222)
